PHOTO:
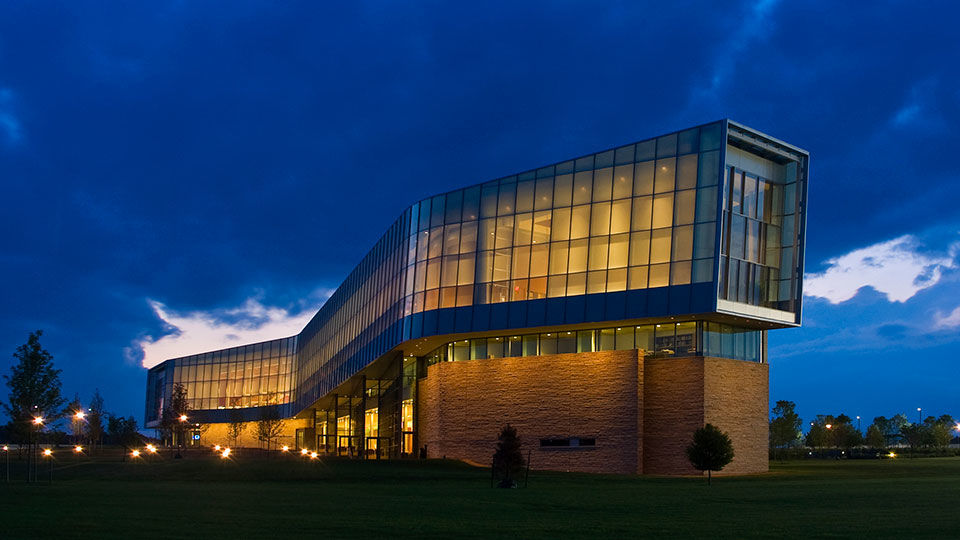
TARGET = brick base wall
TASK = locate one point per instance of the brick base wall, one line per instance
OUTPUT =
(464, 405)
(642, 412)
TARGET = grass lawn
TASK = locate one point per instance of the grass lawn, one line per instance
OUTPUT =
(252, 497)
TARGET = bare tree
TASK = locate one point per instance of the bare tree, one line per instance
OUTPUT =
(236, 427)
(95, 418)
(269, 427)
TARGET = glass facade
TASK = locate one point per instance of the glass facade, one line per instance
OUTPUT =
(694, 338)
(707, 221)
(639, 216)
(256, 375)
(760, 248)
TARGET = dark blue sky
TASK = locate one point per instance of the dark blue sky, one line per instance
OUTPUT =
(213, 157)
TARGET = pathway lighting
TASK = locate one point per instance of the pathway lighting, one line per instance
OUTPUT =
(47, 452)
(79, 415)
(304, 451)
(152, 449)
(78, 449)
(216, 448)
(37, 420)
(226, 453)
(285, 448)
(313, 455)
(183, 418)
(135, 453)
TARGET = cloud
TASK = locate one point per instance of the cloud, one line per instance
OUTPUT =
(919, 109)
(950, 320)
(202, 331)
(9, 124)
(754, 26)
(896, 268)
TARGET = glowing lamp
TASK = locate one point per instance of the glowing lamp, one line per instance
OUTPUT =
(79, 415)
(217, 448)
(226, 453)
(829, 426)
(285, 448)
(135, 453)
(313, 455)
(152, 449)
(78, 449)
(38, 420)
(47, 452)
(6, 448)
(303, 452)
(183, 418)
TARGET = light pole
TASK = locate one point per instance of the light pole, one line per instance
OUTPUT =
(183, 421)
(78, 422)
(6, 452)
(858, 423)
(48, 453)
(37, 424)
(919, 415)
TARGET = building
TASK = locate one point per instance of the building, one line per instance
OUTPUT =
(606, 306)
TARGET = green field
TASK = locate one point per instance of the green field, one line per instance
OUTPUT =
(285, 497)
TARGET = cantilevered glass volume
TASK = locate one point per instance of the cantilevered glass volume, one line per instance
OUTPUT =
(684, 248)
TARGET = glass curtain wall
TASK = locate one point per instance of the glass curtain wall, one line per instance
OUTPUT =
(637, 217)
(254, 375)
(694, 338)
(761, 222)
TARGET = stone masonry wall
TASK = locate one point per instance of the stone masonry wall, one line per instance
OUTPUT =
(736, 398)
(673, 410)
(683, 394)
(465, 404)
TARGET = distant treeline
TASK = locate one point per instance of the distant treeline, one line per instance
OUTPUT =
(829, 432)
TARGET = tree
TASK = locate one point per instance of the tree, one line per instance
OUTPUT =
(875, 437)
(885, 428)
(76, 423)
(940, 430)
(711, 450)
(844, 434)
(896, 425)
(171, 418)
(236, 427)
(915, 435)
(508, 459)
(34, 388)
(820, 436)
(95, 419)
(785, 425)
(123, 431)
(269, 426)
